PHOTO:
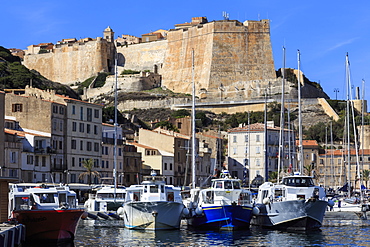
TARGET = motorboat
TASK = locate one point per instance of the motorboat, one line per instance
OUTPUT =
(152, 205)
(106, 198)
(48, 213)
(223, 206)
(295, 204)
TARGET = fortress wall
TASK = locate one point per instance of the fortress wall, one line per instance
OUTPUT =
(226, 52)
(70, 63)
(142, 56)
(163, 103)
(177, 68)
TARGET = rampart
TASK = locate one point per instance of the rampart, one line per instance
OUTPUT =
(73, 62)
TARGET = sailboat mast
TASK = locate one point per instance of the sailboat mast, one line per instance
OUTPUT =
(281, 137)
(193, 122)
(300, 146)
(115, 131)
(348, 129)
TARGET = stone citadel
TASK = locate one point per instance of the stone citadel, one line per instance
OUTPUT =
(232, 60)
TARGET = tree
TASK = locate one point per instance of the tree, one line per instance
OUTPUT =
(365, 176)
(90, 173)
(308, 169)
(273, 176)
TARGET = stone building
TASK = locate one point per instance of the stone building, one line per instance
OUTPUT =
(74, 127)
(247, 152)
(2, 134)
(334, 169)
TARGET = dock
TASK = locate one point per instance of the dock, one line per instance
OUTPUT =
(12, 235)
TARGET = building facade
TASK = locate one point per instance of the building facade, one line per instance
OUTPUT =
(248, 150)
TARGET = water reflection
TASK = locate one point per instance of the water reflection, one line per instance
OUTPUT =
(112, 233)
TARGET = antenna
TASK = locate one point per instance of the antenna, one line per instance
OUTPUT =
(225, 15)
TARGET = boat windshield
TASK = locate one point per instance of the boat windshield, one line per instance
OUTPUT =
(298, 182)
(46, 197)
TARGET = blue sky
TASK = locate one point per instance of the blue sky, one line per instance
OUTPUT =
(323, 31)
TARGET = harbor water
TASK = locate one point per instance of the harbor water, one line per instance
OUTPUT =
(112, 233)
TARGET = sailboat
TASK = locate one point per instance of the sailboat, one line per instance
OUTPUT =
(223, 206)
(295, 203)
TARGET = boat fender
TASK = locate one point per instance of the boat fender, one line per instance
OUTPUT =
(114, 216)
(154, 213)
(84, 215)
(185, 212)
(255, 211)
(120, 211)
(266, 200)
(331, 203)
(198, 210)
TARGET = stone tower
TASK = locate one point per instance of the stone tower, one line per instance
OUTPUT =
(108, 34)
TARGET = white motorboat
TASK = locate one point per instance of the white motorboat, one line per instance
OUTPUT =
(295, 204)
(106, 198)
(152, 205)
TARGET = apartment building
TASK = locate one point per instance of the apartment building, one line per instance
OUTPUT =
(335, 167)
(247, 150)
(74, 127)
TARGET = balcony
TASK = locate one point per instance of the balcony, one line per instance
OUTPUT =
(58, 168)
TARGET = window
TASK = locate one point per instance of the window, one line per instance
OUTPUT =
(73, 109)
(74, 126)
(89, 114)
(13, 157)
(61, 110)
(36, 160)
(119, 151)
(234, 138)
(55, 109)
(60, 144)
(88, 146)
(88, 128)
(246, 150)
(258, 162)
(16, 107)
(81, 113)
(73, 178)
(96, 147)
(246, 138)
(257, 138)
(82, 127)
(96, 113)
(170, 166)
(80, 161)
(165, 166)
(73, 144)
(258, 150)
(30, 159)
(107, 164)
(234, 150)
(43, 161)
(95, 129)
(102, 164)
(61, 126)
(81, 145)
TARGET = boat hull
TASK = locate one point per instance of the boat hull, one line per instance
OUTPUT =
(298, 215)
(153, 215)
(49, 225)
(227, 217)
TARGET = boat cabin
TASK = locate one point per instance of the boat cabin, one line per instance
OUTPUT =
(223, 191)
(292, 188)
(41, 198)
(153, 189)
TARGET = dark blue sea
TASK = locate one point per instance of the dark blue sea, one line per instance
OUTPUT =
(112, 233)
